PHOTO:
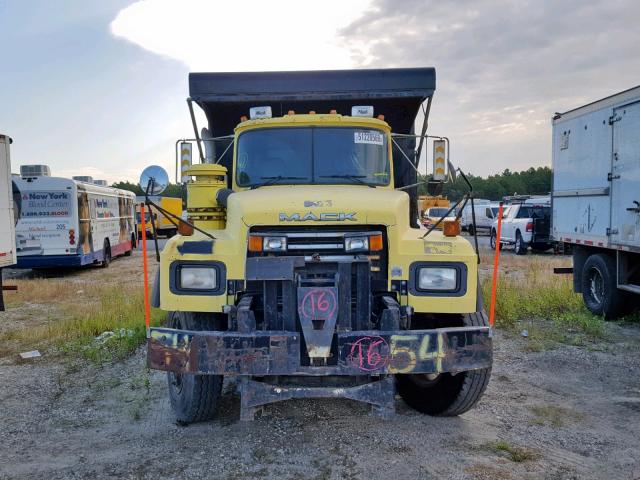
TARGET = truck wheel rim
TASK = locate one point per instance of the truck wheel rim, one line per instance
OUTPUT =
(176, 381)
(596, 285)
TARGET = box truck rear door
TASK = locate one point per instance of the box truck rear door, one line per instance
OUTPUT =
(625, 176)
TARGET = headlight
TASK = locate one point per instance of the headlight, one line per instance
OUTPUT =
(356, 244)
(198, 278)
(274, 244)
(437, 278)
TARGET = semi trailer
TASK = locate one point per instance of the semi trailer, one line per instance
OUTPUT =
(301, 269)
(596, 199)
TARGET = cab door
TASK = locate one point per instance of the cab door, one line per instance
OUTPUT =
(625, 176)
(508, 229)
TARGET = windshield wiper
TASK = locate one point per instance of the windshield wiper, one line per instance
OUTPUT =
(355, 178)
(272, 180)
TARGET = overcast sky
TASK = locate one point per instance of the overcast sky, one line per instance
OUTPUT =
(99, 88)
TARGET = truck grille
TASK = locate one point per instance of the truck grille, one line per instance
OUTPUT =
(311, 241)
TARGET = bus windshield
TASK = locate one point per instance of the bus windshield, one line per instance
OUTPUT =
(313, 155)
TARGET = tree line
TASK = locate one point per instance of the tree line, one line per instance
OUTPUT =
(173, 189)
(534, 181)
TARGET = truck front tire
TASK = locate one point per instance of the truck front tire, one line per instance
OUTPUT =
(446, 395)
(599, 289)
(194, 398)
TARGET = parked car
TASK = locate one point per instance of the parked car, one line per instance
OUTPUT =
(485, 212)
(525, 225)
(433, 214)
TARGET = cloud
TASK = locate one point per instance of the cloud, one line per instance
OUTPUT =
(504, 67)
(242, 35)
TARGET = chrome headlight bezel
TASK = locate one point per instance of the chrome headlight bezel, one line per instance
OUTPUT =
(455, 289)
(178, 268)
(359, 243)
(269, 241)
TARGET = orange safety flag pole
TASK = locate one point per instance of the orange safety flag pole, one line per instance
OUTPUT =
(145, 269)
(496, 263)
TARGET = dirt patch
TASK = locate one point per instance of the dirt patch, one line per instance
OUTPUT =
(69, 420)
(567, 412)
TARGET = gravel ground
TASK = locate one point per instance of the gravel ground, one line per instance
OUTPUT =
(569, 412)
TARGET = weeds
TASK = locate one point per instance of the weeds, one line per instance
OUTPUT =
(554, 416)
(512, 452)
(536, 293)
(118, 310)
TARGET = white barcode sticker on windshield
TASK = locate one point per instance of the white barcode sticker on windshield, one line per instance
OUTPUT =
(373, 138)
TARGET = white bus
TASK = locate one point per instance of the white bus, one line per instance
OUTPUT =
(64, 223)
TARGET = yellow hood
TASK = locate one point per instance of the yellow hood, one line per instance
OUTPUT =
(320, 204)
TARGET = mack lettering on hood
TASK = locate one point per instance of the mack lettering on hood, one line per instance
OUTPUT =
(322, 217)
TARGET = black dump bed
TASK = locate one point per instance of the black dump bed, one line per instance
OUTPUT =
(397, 93)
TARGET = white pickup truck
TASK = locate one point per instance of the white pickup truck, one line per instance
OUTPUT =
(525, 225)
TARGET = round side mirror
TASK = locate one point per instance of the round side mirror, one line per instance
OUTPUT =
(154, 180)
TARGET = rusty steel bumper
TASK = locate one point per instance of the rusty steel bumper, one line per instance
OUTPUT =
(262, 353)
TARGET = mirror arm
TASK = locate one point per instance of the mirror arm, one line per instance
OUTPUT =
(195, 128)
(148, 202)
(433, 227)
(475, 229)
(473, 212)
(425, 124)
(405, 156)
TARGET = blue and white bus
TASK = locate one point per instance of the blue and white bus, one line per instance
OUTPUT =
(66, 223)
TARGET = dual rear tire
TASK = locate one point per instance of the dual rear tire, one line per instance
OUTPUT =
(599, 287)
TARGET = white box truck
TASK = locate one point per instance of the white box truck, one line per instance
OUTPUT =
(596, 199)
(7, 219)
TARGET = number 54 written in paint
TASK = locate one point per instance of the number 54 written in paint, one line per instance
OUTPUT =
(404, 357)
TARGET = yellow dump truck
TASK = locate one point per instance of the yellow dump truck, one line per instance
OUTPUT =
(425, 202)
(431, 208)
(302, 271)
(163, 224)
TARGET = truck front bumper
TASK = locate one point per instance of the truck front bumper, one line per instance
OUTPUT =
(370, 352)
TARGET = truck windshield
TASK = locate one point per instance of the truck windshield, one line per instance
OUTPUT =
(314, 155)
(438, 212)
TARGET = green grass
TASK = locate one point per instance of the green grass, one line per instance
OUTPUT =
(118, 310)
(554, 416)
(545, 305)
(512, 452)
